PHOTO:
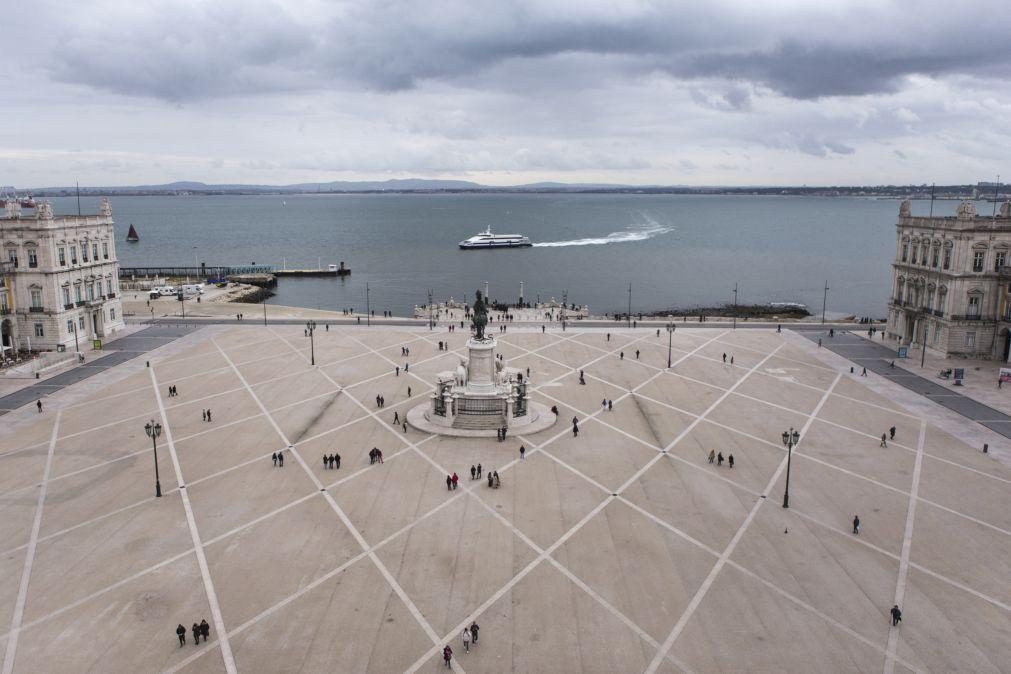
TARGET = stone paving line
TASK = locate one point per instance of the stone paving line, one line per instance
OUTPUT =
(563, 375)
(198, 548)
(907, 543)
(26, 571)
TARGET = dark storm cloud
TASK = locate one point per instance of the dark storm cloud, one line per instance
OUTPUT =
(184, 51)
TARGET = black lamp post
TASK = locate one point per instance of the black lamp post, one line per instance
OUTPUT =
(670, 338)
(790, 438)
(153, 430)
(311, 327)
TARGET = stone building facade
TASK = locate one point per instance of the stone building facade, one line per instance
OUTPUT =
(61, 279)
(951, 282)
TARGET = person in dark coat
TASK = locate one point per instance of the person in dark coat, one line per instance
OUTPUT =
(280, 459)
(473, 472)
(273, 458)
(326, 462)
(473, 632)
(719, 459)
(337, 460)
(447, 656)
(449, 482)
(730, 460)
(181, 633)
(479, 471)
(205, 629)
(856, 524)
(454, 479)
(896, 615)
(196, 633)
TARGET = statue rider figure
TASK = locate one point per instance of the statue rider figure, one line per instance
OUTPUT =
(480, 316)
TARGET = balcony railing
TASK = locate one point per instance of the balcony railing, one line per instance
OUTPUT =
(79, 303)
(938, 313)
(68, 306)
(111, 296)
(974, 317)
(36, 310)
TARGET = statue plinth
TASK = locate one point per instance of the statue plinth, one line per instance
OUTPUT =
(481, 366)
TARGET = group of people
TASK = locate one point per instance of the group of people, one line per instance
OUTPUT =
(207, 415)
(725, 359)
(380, 401)
(469, 637)
(172, 392)
(451, 481)
(332, 461)
(405, 351)
(375, 456)
(607, 404)
(278, 458)
(501, 434)
(718, 458)
(199, 630)
(475, 472)
(885, 437)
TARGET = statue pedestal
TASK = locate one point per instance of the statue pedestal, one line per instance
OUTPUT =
(481, 366)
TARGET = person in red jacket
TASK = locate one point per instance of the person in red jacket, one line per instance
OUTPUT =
(455, 480)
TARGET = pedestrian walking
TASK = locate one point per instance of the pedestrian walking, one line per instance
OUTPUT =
(473, 632)
(337, 460)
(405, 426)
(523, 452)
(731, 360)
(712, 455)
(637, 354)
(379, 455)
(280, 459)
(447, 656)
(455, 480)
(449, 483)
(856, 524)
(466, 640)
(208, 415)
(273, 458)
(610, 405)
(730, 460)
(884, 439)
(196, 634)
(896, 615)
(398, 371)
(479, 471)
(408, 391)
(203, 414)
(205, 629)
(491, 480)
(372, 456)
(603, 403)
(621, 356)
(864, 373)
(724, 358)
(891, 433)
(326, 462)
(396, 418)
(719, 459)
(38, 403)
(181, 633)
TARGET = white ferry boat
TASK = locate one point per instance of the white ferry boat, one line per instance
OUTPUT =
(488, 240)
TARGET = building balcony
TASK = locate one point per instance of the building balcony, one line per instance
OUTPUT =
(974, 317)
(36, 310)
(938, 313)
(5, 311)
(79, 303)
(111, 296)
(68, 306)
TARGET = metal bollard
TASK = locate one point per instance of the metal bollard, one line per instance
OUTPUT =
(986, 448)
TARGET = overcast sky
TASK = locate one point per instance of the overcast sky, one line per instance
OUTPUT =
(114, 92)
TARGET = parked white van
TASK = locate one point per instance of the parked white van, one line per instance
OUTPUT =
(193, 289)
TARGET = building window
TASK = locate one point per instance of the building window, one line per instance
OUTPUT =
(937, 333)
(94, 252)
(999, 260)
(62, 253)
(36, 299)
(84, 252)
(80, 323)
(108, 286)
(933, 260)
(913, 259)
(39, 330)
(33, 258)
(905, 251)
(66, 296)
(923, 257)
(970, 339)
(978, 260)
(930, 298)
(105, 250)
(974, 304)
(947, 258)
(112, 314)
(70, 325)
(73, 255)
(12, 256)
(77, 293)
(91, 292)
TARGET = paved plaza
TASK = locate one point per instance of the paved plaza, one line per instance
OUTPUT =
(620, 550)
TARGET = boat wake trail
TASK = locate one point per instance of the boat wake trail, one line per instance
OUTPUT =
(638, 232)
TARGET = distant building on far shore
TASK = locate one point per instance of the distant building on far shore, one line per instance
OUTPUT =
(60, 275)
(951, 282)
